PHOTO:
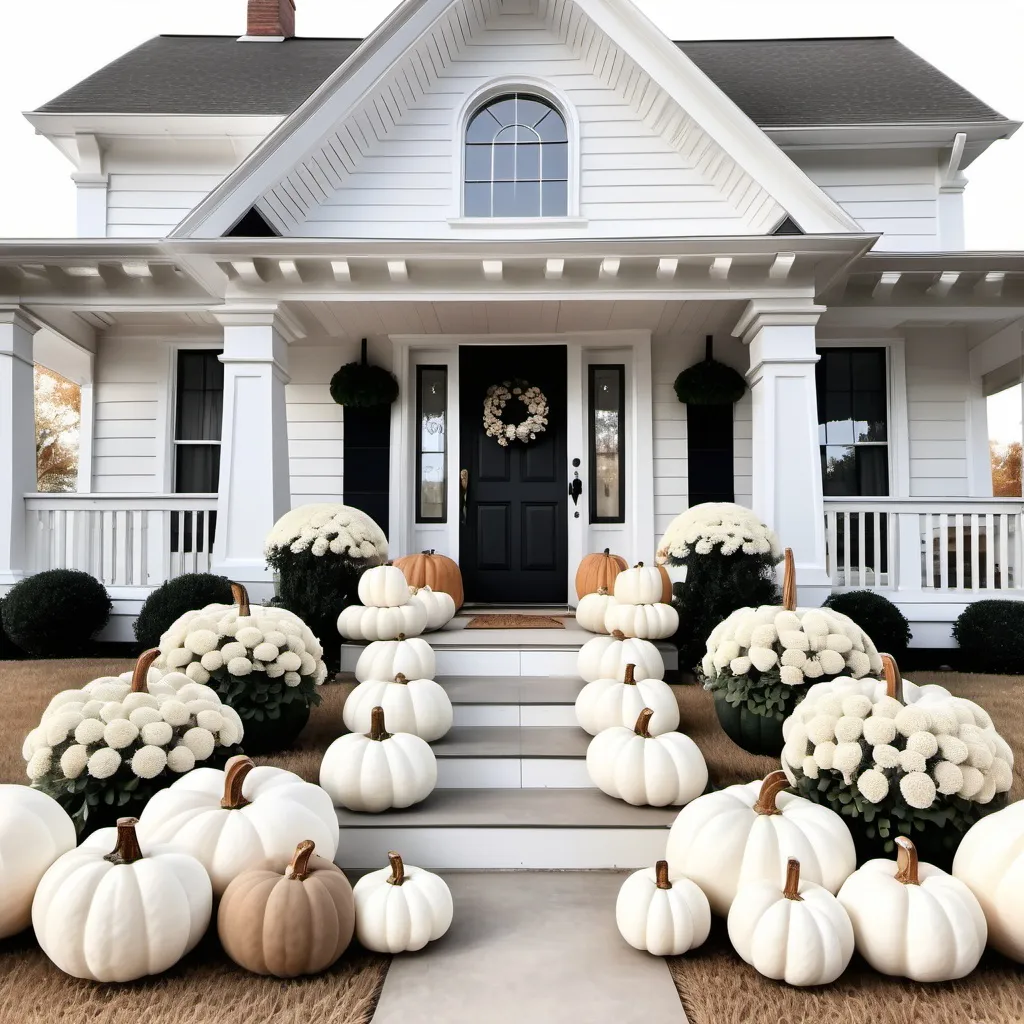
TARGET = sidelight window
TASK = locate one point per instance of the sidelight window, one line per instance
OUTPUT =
(431, 443)
(607, 443)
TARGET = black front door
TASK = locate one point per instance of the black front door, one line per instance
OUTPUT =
(514, 540)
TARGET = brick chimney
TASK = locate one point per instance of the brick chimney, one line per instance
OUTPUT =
(271, 19)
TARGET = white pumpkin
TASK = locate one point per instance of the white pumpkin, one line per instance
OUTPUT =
(360, 623)
(401, 908)
(118, 910)
(34, 831)
(417, 706)
(383, 586)
(592, 609)
(912, 920)
(646, 621)
(799, 934)
(439, 606)
(661, 914)
(240, 818)
(375, 771)
(606, 657)
(643, 584)
(990, 862)
(388, 659)
(745, 834)
(608, 702)
(645, 770)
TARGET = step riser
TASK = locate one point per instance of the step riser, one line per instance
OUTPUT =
(498, 849)
(539, 715)
(512, 773)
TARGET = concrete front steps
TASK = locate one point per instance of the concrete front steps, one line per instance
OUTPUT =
(512, 790)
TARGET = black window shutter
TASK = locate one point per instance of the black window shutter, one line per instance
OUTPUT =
(367, 483)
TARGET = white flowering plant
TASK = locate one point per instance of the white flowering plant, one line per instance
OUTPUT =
(897, 759)
(263, 662)
(318, 552)
(104, 750)
(717, 525)
(498, 396)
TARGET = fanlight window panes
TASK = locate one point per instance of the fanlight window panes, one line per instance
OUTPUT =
(517, 160)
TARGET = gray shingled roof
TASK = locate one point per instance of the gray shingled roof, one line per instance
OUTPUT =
(778, 82)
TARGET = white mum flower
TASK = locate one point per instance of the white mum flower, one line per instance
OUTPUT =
(821, 729)
(307, 665)
(910, 720)
(813, 669)
(973, 781)
(200, 642)
(912, 761)
(886, 707)
(120, 733)
(763, 636)
(831, 662)
(274, 670)
(849, 729)
(847, 758)
(89, 732)
(240, 667)
(178, 657)
(987, 791)
(738, 667)
(141, 717)
(174, 713)
(212, 720)
(148, 762)
(250, 636)
(1002, 774)
(953, 749)
(824, 753)
(873, 785)
(879, 730)
(791, 676)
(103, 763)
(233, 650)
(212, 661)
(809, 767)
(200, 742)
(924, 743)
(157, 734)
(39, 763)
(793, 639)
(181, 759)
(290, 661)
(764, 659)
(265, 652)
(61, 726)
(858, 664)
(944, 722)
(292, 679)
(786, 622)
(948, 777)
(918, 790)
(230, 734)
(112, 710)
(73, 761)
(197, 673)
(830, 704)
(857, 705)
(793, 658)
(885, 755)
(979, 756)
(838, 642)
(92, 709)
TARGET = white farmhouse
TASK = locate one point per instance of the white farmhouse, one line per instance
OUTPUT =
(539, 191)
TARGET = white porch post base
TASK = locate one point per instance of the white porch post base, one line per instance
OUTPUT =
(17, 440)
(255, 489)
(786, 464)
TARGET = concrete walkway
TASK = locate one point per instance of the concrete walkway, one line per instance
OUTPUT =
(530, 948)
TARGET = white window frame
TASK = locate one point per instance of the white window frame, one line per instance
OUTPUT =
(170, 417)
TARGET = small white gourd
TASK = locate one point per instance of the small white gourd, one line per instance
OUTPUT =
(662, 914)
(645, 770)
(800, 934)
(401, 908)
(912, 920)
(608, 702)
(643, 584)
(439, 606)
(606, 657)
(592, 609)
(646, 621)
(388, 659)
(383, 586)
(385, 623)
(378, 770)
(417, 706)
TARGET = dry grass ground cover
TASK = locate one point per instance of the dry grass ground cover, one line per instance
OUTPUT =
(716, 987)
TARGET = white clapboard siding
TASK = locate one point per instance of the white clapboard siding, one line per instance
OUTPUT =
(143, 205)
(937, 393)
(129, 383)
(892, 191)
(397, 161)
(743, 451)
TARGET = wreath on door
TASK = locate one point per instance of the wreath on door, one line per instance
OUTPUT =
(499, 396)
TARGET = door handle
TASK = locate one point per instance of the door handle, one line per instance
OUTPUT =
(575, 488)
(464, 490)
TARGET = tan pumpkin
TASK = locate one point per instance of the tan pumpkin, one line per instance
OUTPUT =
(439, 572)
(291, 922)
(597, 571)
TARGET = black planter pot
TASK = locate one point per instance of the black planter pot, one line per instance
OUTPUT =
(272, 735)
(756, 734)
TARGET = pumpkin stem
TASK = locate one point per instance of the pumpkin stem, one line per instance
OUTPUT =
(378, 731)
(602, 591)
(607, 552)
(906, 862)
(401, 636)
(127, 849)
(241, 597)
(661, 875)
(298, 869)
(618, 634)
(643, 722)
(772, 786)
(639, 565)
(893, 677)
(140, 674)
(792, 890)
(397, 869)
(789, 583)
(235, 771)
(401, 678)
(630, 677)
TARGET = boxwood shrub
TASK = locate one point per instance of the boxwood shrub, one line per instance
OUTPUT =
(170, 601)
(878, 617)
(8, 650)
(991, 637)
(55, 614)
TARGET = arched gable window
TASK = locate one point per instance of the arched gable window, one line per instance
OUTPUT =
(517, 159)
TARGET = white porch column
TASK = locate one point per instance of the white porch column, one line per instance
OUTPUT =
(254, 479)
(786, 461)
(17, 439)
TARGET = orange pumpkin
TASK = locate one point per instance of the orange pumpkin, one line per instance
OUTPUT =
(439, 572)
(597, 571)
(288, 923)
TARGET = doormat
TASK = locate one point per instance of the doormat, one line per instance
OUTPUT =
(515, 622)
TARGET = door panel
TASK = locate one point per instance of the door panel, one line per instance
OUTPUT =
(514, 537)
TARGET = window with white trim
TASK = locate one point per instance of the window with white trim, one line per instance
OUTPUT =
(198, 408)
(517, 159)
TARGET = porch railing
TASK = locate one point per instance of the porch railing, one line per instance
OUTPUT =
(967, 544)
(137, 540)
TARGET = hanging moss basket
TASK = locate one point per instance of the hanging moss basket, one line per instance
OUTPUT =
(710, 383)
(363, 386)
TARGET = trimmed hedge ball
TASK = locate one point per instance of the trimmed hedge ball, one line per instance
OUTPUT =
(55, 614)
